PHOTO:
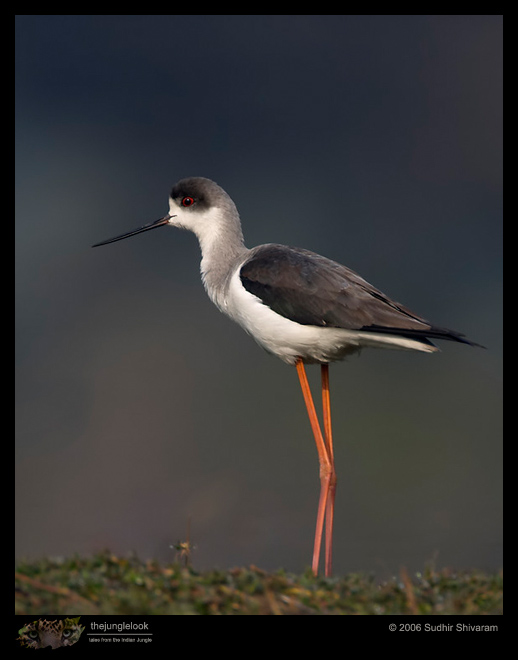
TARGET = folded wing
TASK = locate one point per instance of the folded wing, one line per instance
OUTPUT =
(312, 290)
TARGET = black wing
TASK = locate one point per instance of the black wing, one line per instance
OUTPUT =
(312, 290)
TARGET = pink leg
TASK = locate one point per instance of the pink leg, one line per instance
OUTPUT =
(330, 506)
(327, 475)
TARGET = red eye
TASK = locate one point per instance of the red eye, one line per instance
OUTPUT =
(187, 201)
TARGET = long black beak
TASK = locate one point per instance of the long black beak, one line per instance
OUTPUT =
(151, 225)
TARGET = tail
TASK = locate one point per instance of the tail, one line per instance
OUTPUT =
(424, 336)
(449, 335)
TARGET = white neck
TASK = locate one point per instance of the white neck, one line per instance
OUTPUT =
(222, 247)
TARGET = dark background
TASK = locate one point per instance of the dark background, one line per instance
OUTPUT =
(375, 140)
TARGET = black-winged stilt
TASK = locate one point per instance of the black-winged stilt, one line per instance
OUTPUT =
(296, 304)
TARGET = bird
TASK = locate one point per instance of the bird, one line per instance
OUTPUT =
(299, 306)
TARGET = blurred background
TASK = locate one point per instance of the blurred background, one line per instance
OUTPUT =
(374, 140)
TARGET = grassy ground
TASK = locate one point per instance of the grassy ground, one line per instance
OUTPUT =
(106, 584)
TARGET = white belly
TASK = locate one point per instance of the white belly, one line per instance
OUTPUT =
(291, 341)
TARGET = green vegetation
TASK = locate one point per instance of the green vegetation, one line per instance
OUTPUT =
(106, 584)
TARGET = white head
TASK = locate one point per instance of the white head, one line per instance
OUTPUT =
(201, 206)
